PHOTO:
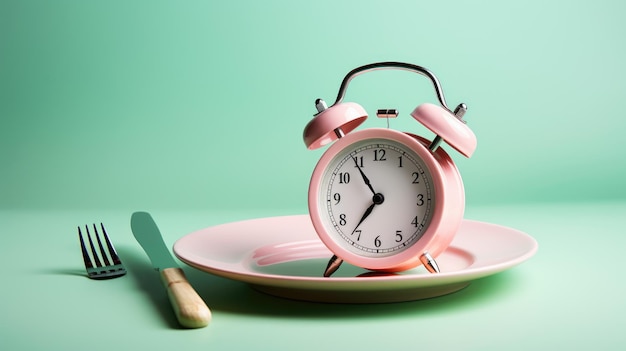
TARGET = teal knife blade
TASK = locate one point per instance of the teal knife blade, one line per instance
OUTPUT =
(191, 311)
(149, 237)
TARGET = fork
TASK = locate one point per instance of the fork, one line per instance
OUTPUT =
(100, 271)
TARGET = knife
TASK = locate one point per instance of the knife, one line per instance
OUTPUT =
(190, 309)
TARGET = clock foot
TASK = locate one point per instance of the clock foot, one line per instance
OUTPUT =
(429, 262)
(333, 265)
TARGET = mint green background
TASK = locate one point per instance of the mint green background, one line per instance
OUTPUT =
(201, 104)
(194, 111)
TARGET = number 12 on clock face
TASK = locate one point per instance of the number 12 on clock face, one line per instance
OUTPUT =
(382, 200)
(378, 197)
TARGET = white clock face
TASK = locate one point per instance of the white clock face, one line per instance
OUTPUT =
(377, 197)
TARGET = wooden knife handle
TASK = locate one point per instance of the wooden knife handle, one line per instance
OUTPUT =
(189, 307)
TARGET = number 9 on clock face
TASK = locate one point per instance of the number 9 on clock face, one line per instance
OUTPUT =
(378, 197)
(374, 198)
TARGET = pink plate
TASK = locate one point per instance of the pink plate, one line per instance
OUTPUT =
(284, 257)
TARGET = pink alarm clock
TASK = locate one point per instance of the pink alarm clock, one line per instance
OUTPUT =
(382, 199)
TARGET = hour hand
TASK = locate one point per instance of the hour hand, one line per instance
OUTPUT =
(365, 179)
(365, 215)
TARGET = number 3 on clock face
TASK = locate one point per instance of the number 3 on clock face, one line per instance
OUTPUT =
(377, 196)
(389, 178)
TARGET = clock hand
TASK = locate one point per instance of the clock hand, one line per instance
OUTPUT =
(365, 179)
(376, 200)
(335, 262)
(365, 215)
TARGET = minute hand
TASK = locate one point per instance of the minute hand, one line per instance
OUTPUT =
(365, 179)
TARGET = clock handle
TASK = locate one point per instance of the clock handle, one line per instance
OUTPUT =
(332, 123)
(457, 115)
(392, 65)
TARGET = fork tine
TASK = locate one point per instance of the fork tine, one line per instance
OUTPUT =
(91, 255)
(99, 271)
(102, 252)
(93, 249)
(86, 258)
(112, 252)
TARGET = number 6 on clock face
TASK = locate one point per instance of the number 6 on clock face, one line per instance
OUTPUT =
(377, 199)
(405, 194)
(383, 199)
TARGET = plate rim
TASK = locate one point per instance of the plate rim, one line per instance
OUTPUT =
(342, 283)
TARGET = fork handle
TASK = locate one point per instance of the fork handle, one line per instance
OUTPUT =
(190, 309)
